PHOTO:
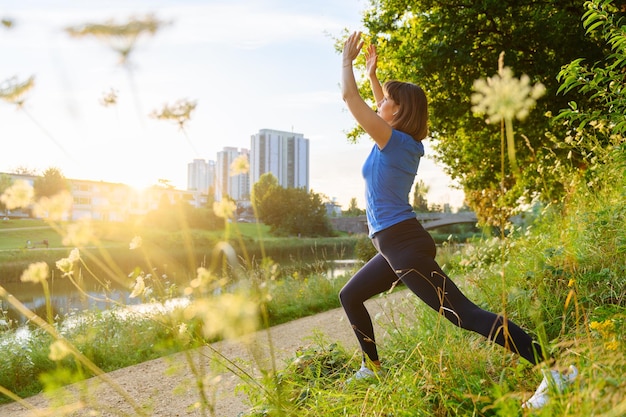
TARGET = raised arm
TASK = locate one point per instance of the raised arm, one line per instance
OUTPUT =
(371, 62)
(378, 129)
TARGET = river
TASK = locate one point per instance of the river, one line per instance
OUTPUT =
(66, 298)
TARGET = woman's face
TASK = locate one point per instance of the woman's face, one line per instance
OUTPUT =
(387, 109)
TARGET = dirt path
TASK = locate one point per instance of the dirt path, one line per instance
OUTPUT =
(166, 386)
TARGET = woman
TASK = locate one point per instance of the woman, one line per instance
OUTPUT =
(406, 252)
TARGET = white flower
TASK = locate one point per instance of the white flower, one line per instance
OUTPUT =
(136, 242)
(20, 194)
(36, 272)
(139, 288)
(503, 97)
(79, 233)
(66, 265)
(74, 255)
(240, 165)
(56, 207)
(224, 209)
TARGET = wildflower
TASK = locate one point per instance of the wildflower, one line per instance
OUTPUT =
(66, 265)
(139, 287)
(109, 98)
(13, 91)
(74, 255)
(59, 349)
(606, 329)
(121, 37)
(37, 272)
(240, 315)
(20, 194)
(224, 209)
(136, 242)
(183, 332)
(179, 112)
(240, 166)
(56, 207)
(229, 315)
(204, 277)
(79, 233)
(503, 97)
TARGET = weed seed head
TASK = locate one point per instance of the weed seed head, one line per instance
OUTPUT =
(36, 272)
(504, 97)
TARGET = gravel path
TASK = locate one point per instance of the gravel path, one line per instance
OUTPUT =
(167, 388)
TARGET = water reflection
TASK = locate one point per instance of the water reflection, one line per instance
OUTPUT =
(342, 267)
(65, 298)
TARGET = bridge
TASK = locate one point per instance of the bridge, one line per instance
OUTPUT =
(430, 221)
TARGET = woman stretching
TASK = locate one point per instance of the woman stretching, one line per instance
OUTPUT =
(406, 252)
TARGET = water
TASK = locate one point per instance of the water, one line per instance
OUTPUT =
(65, 298)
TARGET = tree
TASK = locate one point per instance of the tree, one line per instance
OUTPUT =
(22, 170)
(260, 190)
(5, 182)
(50, 183)
(290, 211)
(353, 209)
(446, 45)
(420, 204)
(601, 119)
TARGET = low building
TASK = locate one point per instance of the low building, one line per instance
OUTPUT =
(99, 200)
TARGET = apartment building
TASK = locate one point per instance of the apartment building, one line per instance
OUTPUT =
(228, 183)
(284, 154)
(100, 200)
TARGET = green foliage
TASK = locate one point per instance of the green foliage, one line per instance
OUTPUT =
(290, 211)
(5, 182)
(446, 46)
(597, 125)
(182, 216)
(50, 183)
(563, 277)
(353, 209)
(602, 81)
(21, 368)
(261, 190)
(420, 204)
(300, 296)
(364, 249)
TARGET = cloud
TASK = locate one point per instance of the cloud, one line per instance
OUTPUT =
(247, 26)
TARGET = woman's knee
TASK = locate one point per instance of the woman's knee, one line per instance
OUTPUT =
(346, 297)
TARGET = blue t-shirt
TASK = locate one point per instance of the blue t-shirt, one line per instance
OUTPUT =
(389, 174)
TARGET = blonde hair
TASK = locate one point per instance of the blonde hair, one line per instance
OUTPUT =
(412, 116)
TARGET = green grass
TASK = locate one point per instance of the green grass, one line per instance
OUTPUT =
(564, 279)
(15, 234)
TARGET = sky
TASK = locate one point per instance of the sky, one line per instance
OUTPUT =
(247, 64)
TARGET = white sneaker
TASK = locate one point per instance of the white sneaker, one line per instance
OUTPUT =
(552, 380)
(361, 374)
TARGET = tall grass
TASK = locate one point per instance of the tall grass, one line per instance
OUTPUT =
(565, 280)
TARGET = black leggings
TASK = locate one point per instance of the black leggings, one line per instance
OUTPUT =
(406, 252)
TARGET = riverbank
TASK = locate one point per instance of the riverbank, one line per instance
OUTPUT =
(166, 387)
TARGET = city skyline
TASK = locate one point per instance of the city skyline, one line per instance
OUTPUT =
(248, 66)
